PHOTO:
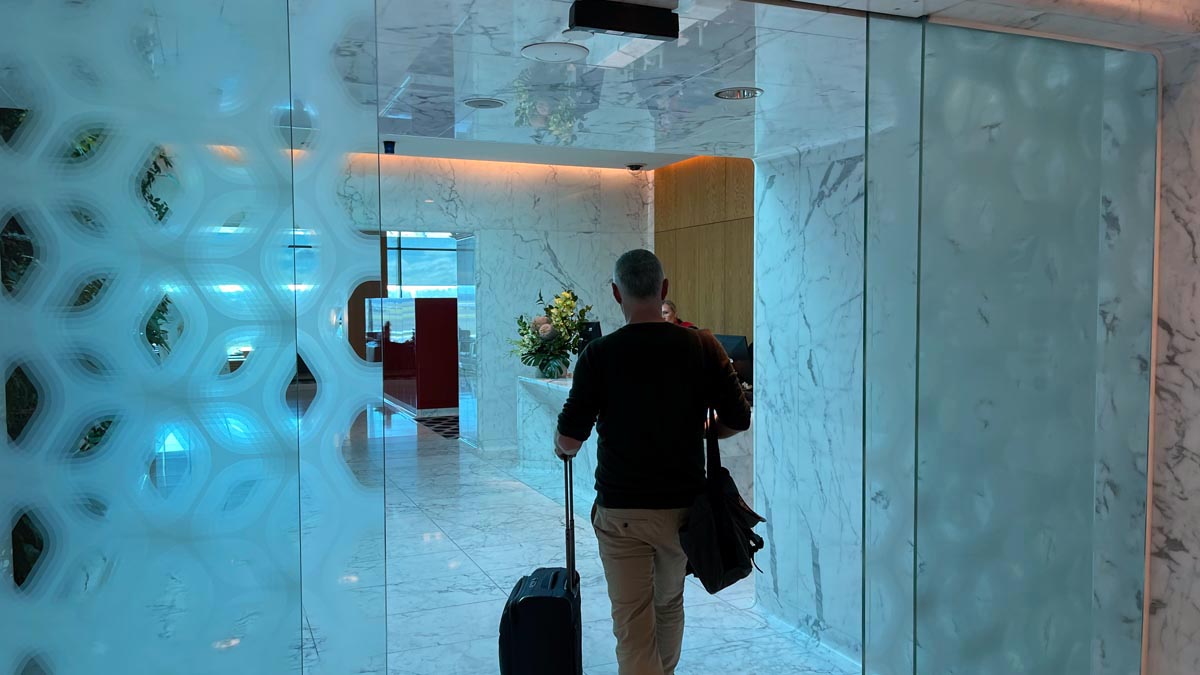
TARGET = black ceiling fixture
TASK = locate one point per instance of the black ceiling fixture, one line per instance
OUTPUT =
(622, 18)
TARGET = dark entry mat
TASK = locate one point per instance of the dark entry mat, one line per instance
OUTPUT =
(446, 427)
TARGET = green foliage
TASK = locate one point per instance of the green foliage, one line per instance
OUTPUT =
(85, 145)
(546, 342)
(89, 292)
(85, 219)
(21, 402)
(93, 436)
(16, 254)
(554, 115)
(156, 326)
(11, 119)
(160, 166)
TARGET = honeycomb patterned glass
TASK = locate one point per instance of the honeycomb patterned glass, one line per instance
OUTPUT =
(178, 483)
(338, 393)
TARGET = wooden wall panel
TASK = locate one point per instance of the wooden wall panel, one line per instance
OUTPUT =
(666, 213)
(687, 186)
(704, 234)
(710, 197)
(739, 189)
(709, 303)
(667, 251)
(739, 277)
(699, 280)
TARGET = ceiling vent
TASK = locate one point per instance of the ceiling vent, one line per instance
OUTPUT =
(483, 103)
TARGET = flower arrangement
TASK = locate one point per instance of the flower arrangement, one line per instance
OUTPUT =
(548, 111)
(547, 341)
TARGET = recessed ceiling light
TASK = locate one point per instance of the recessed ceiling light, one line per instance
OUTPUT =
(483, 103)
(555, 52)
(738, 93)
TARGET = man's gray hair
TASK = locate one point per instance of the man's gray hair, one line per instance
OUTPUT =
(639, 275)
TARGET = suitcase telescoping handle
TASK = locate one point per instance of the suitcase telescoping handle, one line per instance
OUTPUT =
(570, 499)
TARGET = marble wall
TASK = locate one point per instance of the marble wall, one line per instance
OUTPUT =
(537, 229)
(1174, 561)
(809, 388)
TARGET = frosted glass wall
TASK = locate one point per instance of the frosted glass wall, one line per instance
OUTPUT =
(343, 423)
(1034, 318)
(893, 175)
(148, 476)
(191, 478)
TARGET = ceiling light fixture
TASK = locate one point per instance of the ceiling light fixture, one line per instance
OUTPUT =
(483, 103)
(555, 52)
(738, 93)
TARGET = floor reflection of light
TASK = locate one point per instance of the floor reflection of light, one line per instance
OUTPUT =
(230, 288)
(300, 287)
(349, 579)
(228, 643)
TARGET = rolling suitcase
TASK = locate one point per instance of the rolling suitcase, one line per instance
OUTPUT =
(540, 630)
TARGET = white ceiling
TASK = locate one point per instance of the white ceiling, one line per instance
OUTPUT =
(629, 95)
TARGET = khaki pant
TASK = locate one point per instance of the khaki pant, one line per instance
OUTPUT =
(645, 567)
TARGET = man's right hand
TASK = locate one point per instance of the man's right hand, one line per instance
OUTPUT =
(565, 446)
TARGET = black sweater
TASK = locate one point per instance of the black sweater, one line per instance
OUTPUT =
(647, 388)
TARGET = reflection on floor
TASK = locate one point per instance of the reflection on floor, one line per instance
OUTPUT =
(461, 530)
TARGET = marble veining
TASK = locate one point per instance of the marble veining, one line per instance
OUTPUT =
(808, 452)
(1174, 647)
(628, 94)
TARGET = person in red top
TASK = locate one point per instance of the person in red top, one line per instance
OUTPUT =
(670, 314)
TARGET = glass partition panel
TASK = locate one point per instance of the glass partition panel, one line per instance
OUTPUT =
(342, 415)
(894, 60)
(148, 490)
(1036, 269)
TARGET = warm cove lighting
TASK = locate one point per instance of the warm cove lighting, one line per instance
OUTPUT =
(481, 165)
(236, 155)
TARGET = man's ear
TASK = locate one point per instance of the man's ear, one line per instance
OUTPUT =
(616, 293)
(666, 285)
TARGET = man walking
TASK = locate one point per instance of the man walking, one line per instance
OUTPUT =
(647, 388)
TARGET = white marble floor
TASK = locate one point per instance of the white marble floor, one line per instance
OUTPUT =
(461, 530)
